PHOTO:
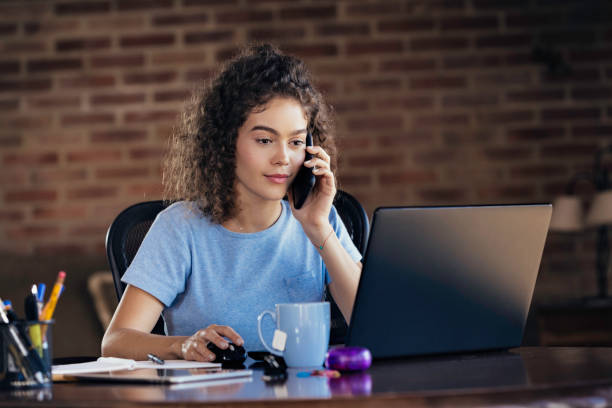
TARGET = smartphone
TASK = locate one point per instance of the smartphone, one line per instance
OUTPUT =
(304, 181)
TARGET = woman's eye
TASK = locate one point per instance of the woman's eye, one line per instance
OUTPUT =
(264, 140)
(297, 142)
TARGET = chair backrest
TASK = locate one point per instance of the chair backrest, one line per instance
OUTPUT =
(130, 227)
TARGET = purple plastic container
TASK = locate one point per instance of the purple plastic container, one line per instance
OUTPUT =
(348, 359)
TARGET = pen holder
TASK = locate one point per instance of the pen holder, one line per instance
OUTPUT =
(26, 353)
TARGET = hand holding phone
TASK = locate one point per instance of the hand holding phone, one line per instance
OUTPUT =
(304, 181)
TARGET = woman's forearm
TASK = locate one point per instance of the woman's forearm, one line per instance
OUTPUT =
(136, 344)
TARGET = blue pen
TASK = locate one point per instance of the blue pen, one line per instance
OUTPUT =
(41, 292)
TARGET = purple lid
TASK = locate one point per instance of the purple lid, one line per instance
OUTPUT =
(348, 359)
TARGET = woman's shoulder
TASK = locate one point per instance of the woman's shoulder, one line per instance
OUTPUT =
(182, 213)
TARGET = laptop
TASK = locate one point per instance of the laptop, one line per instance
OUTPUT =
(448, 279)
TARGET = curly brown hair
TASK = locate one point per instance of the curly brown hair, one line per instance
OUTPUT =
(200, 165)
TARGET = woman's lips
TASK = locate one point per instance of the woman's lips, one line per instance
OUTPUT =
(278, 178)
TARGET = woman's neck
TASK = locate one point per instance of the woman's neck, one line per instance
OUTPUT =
(254, 218)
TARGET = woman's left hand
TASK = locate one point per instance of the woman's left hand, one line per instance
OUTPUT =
(314, 214)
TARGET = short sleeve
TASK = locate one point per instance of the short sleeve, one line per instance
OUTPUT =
(344, 238)
(162, 264)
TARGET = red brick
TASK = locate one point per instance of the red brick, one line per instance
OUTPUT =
(146, 191)
(380, 84)
(406, 25)
(149, 116)
(504, 41)
(226, 53)
(91, 192)
(122, 172)
(22, 47)
(438, 82)
(507, 153)
(472, 61)
(32, 231)
(575, 75)
(68, 212)
(468, 100)
(439, 43)
(117, 98)
(244, 16)
(539, 170)
(435, 156)
(30, 159)
(533, 20)
(342, 29)
(94, 155)
(45, 65)
(504, 78)
(406, 102)
(601, 92)
(592, 131)
(53, 175)
(570, 113)
(375, 123)
(469, 23)
(180, 19)
(199, 75)
(567, 37)
(10, 67)
(88, 230)
(29, 122)
(442, 119)
(57, 26)
(350, 106)
(87, 81)
(591, 55)
(374, 9)
(130, 5)
(25, 85)
(311, 50)
(14, 176)
(146, 40)
(518, 58)
(405, 177)
(343, 68)
(406, 139)
(8, 29)
(189, 3)
(10, 140)
(11, 215)
(353, 142)
(408, 64)
(537, 95)
(56, 249)
(87, 119)
(198, 37)
(149, 77)
(520, 192)
(9, 105)
(354, 180)
(373, 47)
(79, 44)
(80, 7)
(178, 57)
(117, 61)
(307, 13)
(535, 133)
(442, 194)
(500, 4)
(289, 33)
(172, 95)
(376, 160)
(146, 153)
(118, 135)
(573, 150)
(29, 195)
(508, 116)
(54, 102)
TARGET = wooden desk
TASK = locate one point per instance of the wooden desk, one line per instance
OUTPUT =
(526, 376)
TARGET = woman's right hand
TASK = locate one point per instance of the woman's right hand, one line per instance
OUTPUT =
(194, 347)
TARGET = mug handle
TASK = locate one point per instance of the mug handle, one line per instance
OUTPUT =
(259, 319)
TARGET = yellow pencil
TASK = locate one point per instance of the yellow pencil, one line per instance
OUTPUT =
(47, 312)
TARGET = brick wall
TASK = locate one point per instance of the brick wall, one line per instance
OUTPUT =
(437, 102)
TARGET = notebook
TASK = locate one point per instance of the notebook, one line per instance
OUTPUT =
(166, 376)
(448, 279)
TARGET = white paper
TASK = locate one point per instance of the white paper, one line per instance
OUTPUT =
(113, 363)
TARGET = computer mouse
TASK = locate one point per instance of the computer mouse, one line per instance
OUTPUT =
(233, 355)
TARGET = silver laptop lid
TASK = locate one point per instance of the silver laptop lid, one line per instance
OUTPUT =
(448, 279)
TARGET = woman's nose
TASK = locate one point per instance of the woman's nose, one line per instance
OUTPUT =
(281, 156)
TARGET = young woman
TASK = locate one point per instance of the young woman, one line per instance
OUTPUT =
(233, 247)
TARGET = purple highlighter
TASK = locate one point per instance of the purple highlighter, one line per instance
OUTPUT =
(348, 359)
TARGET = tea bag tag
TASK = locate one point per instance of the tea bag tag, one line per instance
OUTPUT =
(279, 340)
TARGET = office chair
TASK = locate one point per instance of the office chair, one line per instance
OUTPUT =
(127, 231)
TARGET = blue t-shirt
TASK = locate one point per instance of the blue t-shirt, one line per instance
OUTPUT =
(205, 274)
